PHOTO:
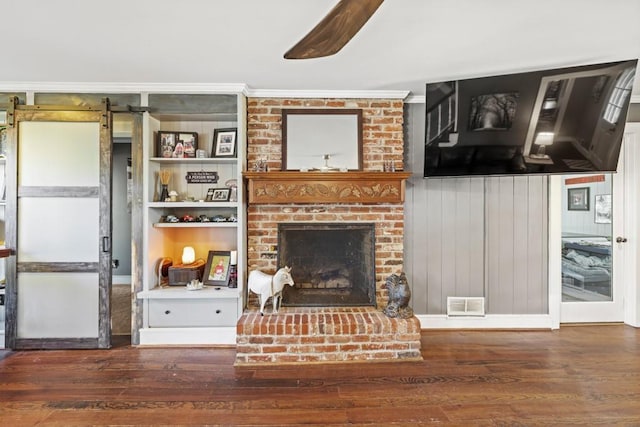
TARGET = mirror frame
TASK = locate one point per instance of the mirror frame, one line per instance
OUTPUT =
(355, 150)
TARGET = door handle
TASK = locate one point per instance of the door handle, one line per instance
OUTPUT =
(620, 239)
(106, 244)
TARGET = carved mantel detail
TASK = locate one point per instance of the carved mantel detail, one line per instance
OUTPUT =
(325, 187)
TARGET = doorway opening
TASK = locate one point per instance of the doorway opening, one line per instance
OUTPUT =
(587, 238)
(122, 181)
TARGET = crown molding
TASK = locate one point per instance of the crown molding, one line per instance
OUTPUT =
(110, 87)
(348, 94)
(416, 99)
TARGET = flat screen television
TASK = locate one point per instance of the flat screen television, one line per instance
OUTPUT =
(566, 120)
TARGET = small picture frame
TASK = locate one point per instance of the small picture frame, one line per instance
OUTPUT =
(216, 271)
(209, 197)
(189, 141)
(172, 145)
(166, 144)
(219, 194)
(224, 143)
(578, 199)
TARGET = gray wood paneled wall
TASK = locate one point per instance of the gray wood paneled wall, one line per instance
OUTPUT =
(473, 236)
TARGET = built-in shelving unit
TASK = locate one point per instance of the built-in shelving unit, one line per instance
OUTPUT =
(173, 314)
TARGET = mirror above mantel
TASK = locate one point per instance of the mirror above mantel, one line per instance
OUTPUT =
(321, 139)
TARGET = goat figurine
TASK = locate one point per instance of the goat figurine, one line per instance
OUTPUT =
(267, 285)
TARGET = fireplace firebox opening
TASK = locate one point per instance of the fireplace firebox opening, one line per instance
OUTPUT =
(333, 264)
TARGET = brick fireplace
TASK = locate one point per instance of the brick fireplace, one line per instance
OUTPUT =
(320, 333)
(334, 263)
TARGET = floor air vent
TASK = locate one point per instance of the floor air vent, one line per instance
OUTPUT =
(465, 306)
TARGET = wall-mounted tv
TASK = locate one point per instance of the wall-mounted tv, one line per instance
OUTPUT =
(567, 120)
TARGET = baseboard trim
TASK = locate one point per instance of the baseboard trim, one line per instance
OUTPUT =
(491, 321)
(221, 335)
(121, 279)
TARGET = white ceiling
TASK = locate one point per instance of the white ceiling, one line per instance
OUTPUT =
(406, 44)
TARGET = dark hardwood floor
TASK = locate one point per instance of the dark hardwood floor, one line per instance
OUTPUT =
(588, 375)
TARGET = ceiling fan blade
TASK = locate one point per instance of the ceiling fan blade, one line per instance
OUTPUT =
(335, 30)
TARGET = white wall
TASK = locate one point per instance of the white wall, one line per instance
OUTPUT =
(121, 214)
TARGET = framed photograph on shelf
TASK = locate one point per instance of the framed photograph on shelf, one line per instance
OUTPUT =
(166, 144)
(218, 194)
(224, 143)
(216, 271)
(603, 208)
(578, 199)
(189, 141)
(170, 144)
(209, 197)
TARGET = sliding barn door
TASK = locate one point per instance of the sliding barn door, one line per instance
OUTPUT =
(60, 278)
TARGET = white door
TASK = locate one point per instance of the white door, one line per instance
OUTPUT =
(596, 245)
(58, 289)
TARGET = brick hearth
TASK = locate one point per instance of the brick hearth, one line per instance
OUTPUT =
(307, 335)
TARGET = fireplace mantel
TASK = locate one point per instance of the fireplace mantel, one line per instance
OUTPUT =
(326, 187)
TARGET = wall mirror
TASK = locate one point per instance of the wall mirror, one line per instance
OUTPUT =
(321, 139)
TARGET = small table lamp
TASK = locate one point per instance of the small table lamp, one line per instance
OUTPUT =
(542, 140)
(188, 255)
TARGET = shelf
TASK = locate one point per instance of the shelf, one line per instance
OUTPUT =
(181, 292)
(205, 160)
(195, 224)
(193, 204)
(326, 187)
